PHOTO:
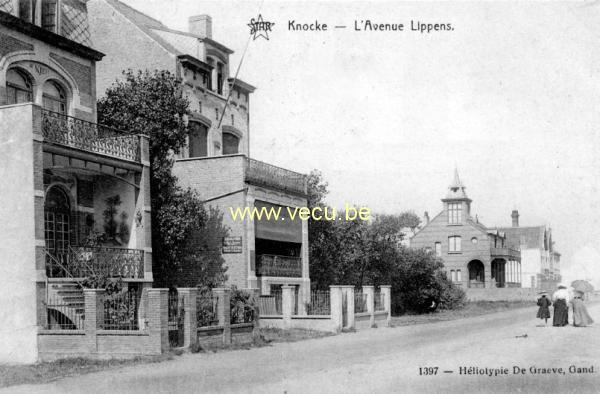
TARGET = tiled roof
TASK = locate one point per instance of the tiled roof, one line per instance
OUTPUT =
(527, 237)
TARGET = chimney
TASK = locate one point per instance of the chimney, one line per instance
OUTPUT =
(426, 216)
(515, 218)
(200, 25)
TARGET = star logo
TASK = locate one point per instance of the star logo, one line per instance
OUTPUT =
(260, 28)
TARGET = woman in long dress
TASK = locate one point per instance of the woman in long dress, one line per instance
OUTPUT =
(561, 309)
(544, 307)
(581, 317)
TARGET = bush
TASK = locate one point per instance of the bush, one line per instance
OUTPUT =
(242, 304)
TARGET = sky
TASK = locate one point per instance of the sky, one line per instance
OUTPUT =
(509, 97)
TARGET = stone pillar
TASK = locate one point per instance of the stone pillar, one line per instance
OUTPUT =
(94, 316)
(224, 311)
(348, 292)
(190, 320)
(335, 301)
(287, 305)
(386, 294)
(369, 291)
(158, 319)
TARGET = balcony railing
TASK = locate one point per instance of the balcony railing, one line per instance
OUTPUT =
(272, 265)
(83, 262)
(77, 133)
(506, 252)
(263, 174)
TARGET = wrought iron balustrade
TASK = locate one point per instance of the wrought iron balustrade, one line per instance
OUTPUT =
(83, 262)
(77, 133)
(263, 174)
(507, 252)
(273, 265)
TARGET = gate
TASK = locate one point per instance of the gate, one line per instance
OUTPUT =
(175, 322)
(344, 309)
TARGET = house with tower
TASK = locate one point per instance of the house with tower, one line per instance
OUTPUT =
(475, 256)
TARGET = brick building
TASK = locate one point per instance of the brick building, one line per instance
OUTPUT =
(474, 256)
(75, 195)
(539, 259)
(216, 162)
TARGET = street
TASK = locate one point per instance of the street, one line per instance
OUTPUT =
(526, 357)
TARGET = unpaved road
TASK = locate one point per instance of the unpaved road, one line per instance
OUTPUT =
(378, 360)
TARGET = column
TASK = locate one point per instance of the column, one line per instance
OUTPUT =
(369, 291)
(386, 293)
(224, 311)
(190, 320)
(143, 209)
(287, 306)
(158, 319)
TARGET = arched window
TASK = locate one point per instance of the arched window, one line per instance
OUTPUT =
(18, 87)
(231, 144)
(55, 98)
(198, 140)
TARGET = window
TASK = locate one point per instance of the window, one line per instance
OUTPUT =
(427, 250)
(454, 213)
(454, 244)
(27, 10)
(55, 98)
(458, 276)
(474, 240)
(198, 140)
(238, 94)
(232, 120)
(230, 144)
(220, 78)
(453, 275)
(18, 87)
(438, 249)
(49, 19)
(217, 113)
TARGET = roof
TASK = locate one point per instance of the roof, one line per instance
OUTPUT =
(174, 41)
(527, 237)
(46, 36)
(244, 86)
(456, 190)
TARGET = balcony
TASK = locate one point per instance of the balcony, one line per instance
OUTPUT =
(83, 262)
(262, 174)
(90, 137)
(509, 253)
(281, 266)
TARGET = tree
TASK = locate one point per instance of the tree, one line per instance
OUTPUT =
(152, 104)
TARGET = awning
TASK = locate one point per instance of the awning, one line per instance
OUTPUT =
(285, 229)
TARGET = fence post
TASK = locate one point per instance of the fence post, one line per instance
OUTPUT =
(190, 319)
(94, 315)
(335, 304)
(369, 291)
(224, 311)
(348, 291)
(386, 294)
(158, 318)
(287, 305)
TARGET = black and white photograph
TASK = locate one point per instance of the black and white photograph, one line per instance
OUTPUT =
(277, 196)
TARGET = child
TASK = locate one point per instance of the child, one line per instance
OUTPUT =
(544, 310)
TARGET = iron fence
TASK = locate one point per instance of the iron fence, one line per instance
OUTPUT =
(360, 302)
(206, 309)
(176, 314)
(273, 265)
(77, 133)
(263, 174)
(81, 262)
(121, 311)
(62, 314)
(320, 303)
(271, 304)
(378, 301)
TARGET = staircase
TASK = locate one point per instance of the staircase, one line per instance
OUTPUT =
(66, 306)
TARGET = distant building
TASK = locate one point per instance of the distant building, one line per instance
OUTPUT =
(474, 256)
(540, 262)
(216, 162)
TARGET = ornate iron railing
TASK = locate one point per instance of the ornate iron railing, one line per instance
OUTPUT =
(83, 262)
(320, 303)
(506, 252)
(272, 265)
(77, 133)
(360, 302)
(263, 174)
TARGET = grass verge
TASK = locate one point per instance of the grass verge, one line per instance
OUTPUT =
(471, 309)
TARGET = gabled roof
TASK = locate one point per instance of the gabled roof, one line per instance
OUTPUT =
(528, 237)
(175, 41)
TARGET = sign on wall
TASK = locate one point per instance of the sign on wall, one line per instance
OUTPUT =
(232, 245)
